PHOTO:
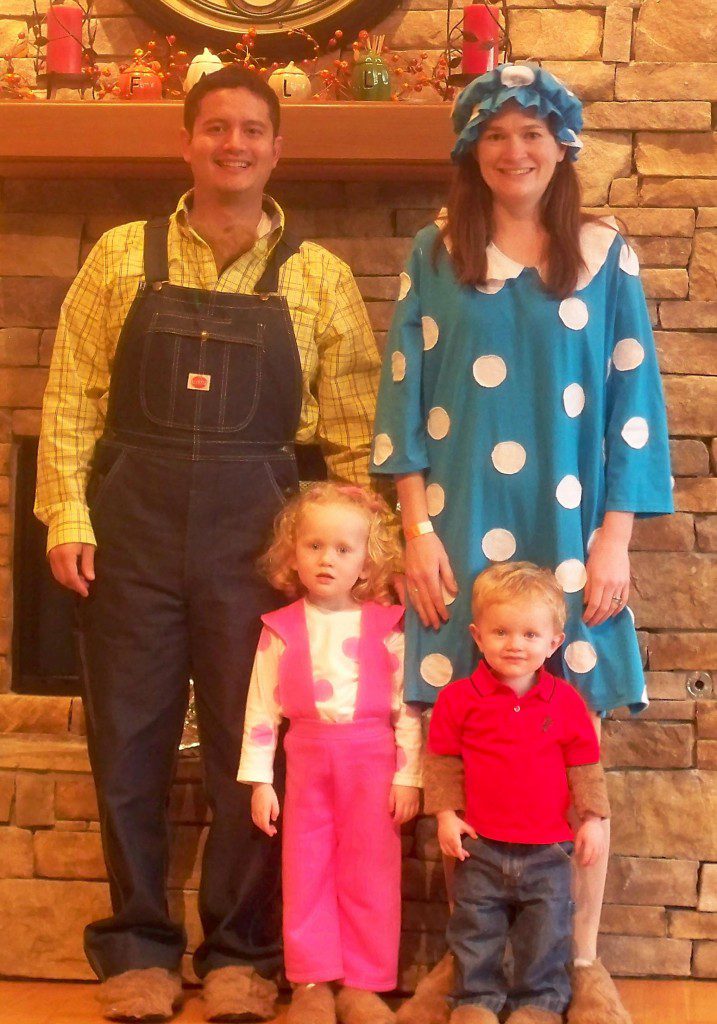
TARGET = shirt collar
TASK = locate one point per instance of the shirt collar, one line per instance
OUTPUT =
(486, 683)
(269, 229)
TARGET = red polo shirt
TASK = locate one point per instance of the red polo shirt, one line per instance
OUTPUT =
(515, 751)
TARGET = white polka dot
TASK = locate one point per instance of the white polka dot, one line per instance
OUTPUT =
(580, 656)
(569, 492)
(574, 313)
(490, 287)
(448, 597)
(436, 669)
(498, 545)
(435, 499)
(636, 432)
(608, 369)
(630, 612)
(571, 575)
(430, 332)
(629, 261)
(439, 423)
(628, 354)
(404, 285)
(489, 371)
(382, 449)
(398, 366)
(513, 76)
(508, 457)
(573, 400)
(592, 538)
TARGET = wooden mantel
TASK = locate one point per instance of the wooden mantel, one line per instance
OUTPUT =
(323, 140)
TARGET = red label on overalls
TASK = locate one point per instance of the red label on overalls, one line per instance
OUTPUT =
(199, 381)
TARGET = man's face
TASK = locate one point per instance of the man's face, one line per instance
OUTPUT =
(232, 149)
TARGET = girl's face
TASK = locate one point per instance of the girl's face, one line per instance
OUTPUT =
(331, 552)
(517, 155)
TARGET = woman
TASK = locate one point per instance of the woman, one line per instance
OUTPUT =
(521, 413)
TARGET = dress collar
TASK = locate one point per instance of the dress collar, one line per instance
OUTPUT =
(486, 683)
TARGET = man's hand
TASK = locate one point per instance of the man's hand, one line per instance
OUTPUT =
(264, 807)
(73, 565)
(450, 830)
(590, 841)
(403, 803)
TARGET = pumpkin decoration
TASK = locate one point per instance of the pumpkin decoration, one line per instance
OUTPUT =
(139, 82)
(291, 84)
(203, 64)
(369, 78)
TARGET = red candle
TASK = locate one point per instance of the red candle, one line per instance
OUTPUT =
(480, 56)
(64, 39)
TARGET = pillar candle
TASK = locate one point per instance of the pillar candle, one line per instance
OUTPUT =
(477, 58)
(64, 39)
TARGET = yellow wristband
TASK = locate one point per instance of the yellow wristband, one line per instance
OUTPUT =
(417, 530)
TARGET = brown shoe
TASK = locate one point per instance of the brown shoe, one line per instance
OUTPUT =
(467, 1013)
(534, 1015)
(238, 994)
(429, 1003)
(312, 1004)
(143, 994)
(595, 999)
(357, 1006)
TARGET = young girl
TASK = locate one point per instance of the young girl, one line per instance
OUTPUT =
(332, 663)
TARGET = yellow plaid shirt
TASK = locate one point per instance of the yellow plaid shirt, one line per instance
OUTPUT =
(339, 359)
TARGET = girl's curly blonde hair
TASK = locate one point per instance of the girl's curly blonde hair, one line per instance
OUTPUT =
(384, 552)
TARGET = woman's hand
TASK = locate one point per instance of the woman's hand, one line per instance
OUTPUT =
(427, 566)
(264, 807)
(608, 569)
(450, 830)
(403, 803)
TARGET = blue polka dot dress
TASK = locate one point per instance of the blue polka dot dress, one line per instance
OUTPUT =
(530, 418)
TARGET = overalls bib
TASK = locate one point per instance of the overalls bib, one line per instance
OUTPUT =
(196, 459)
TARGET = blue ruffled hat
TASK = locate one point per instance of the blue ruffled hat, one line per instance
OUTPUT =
(526, 84)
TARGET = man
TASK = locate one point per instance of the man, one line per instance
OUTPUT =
(191, 353)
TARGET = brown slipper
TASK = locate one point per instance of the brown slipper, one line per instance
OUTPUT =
(534, 1015)
(143, 994)
(467, 1013)
(358, 1006)
(312, 1004)
(595, 999)
(238, 994)
(429, 1003)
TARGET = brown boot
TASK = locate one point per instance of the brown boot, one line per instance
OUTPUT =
(357, 1006)
(238, 994)
(467, 1013)
(595, 999)
(145, 994)
(312, 1004)
(534, 1015)
(429, 1004)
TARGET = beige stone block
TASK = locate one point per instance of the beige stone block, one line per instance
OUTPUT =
(183, 908)
(606, 156)
(72, 826)
(691, 405)
(624, 192)
(186, 850)
(707, 755)
(643, 956)
(690, 353)
(660, 711)
(7, 792)
(409, 222)
(671, 30)
(643, 221)
(676, 153)
(19, 346)
(705, 960)
(22, 387)
(75, 798)
(119, 37)
(26, 422)
(665, 284)
(706, 528)
(691, 924)
(423, 880)
(188, 804)
(689, 457)
(35, 752)
(651, 81)
(424, 917)
(690, 651)
(342, 221)
(414, 29)
(38, 245)
(696, 494)
(689, 315)
(31, 301)
(364, 257)
(633, 920)
(641, 115)
(661, 251)
(703, 266)
(426, 841)
(708, 888)
(47, 342)
(34, 800)
(381, 288)
(69, 855)
(15, 853)
(678, 192)
(555, 35)
(707, 720)
(666, 533)
(9, 32)
(42, 923)
(642, 880)
(664, 813)
(639, 744)
(590, 80)
(659, 605)
(617, 32)
(380, 314)
(77, 717)
(707, 217)
(25, 713)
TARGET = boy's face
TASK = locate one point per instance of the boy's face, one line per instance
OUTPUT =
(516, 638)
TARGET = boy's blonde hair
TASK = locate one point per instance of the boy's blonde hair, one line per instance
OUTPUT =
(384, 554)
(519, 581)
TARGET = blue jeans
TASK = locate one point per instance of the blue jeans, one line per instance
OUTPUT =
(521, 892)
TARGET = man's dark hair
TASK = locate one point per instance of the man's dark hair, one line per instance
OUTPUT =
(231, 77)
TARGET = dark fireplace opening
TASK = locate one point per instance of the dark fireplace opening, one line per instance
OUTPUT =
(44, 642)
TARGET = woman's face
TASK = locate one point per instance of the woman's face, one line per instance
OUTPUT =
(517, 155)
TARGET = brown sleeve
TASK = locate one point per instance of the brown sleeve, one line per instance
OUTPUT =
(443, 783)
(588, 790)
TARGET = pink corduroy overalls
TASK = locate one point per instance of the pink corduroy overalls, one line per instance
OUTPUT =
(341, 848)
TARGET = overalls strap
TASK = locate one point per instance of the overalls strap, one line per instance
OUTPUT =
(285, 248)
(156, 258)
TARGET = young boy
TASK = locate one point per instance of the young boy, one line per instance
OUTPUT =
(529, 750)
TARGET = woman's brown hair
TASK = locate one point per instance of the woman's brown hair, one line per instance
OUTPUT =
(468, 225)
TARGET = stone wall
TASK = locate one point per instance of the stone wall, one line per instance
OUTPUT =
(648, 74)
